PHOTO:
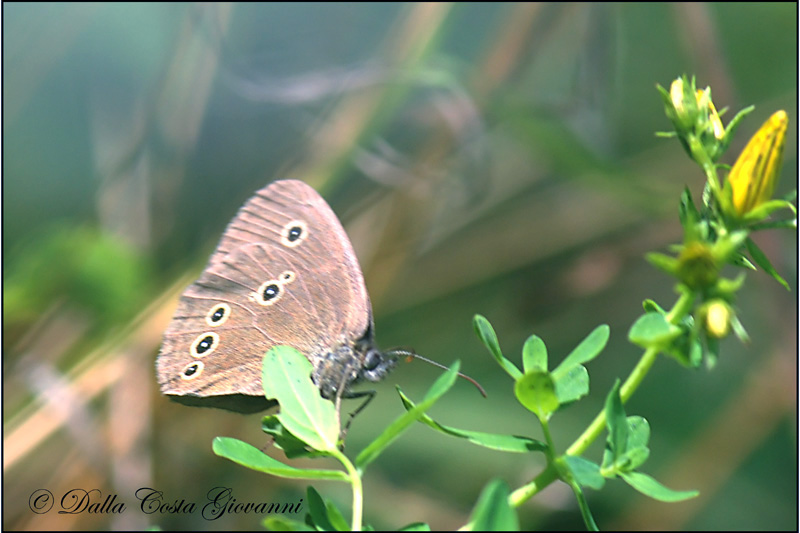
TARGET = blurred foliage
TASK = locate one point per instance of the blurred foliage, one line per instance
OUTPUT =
(104, 277)
(485, 158)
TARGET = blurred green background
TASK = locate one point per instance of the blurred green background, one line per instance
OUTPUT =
(484, 158)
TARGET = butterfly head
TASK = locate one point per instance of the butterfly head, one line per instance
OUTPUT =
(377, 364)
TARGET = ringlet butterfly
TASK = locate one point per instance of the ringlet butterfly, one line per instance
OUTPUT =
(284, 273)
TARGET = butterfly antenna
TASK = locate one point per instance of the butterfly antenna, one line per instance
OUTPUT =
(412, 355)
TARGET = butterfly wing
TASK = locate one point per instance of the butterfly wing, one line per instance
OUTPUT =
(285, 273)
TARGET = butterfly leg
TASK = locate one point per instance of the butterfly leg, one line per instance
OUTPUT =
(370, 394)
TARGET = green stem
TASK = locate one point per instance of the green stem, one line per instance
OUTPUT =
(628, 388)
(551, 449)
(524, 493)
(358, 489)
(681, 308)
(711, 173)
(588, 519)
(700, 155)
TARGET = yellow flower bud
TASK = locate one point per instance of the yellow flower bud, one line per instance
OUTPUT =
(755, 173)
(718, 319)
(676, 95)
(713, 116)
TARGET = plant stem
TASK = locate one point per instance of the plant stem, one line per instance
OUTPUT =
(524, 493)
(588, 519)
(700, 155)
(628, 388)
(551, 448)
(549, 474)
(358, 489)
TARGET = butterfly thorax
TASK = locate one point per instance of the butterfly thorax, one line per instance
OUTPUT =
(348, 363)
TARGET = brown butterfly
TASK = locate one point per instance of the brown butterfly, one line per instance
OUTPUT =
(284, 273)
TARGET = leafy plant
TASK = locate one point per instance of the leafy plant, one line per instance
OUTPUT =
(715, 234)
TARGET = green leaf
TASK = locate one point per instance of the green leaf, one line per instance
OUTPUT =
(652, 329)
(492, 512)
(437, 390)
(534, 354)
(253, 458)
(617, 424)
(734, 124)
(283, 439)
(637, 452)
(763, 261)
(494, 441)
(738, 329)
(650, 306)
(664, 262)
(764, 210)
(686, 348)
(695, 353)
(281, 523)
(638, 431)
(317, 511)
(727, 287)
(650, 487)
(416, 526)
(286, 377)
(740, 260)
(585, 472)
(323, 514)
(711, 352)
(790, 223)
(572, 385)
(537, 393)
(633, 459)
(687, 212)
(587, 350)
(335, 517)
(724, 248)
(607, 467)
(668, 103)
(488, 337)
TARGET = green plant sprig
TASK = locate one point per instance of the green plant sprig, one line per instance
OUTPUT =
(715, 235)
(681, 308)
(308, 426)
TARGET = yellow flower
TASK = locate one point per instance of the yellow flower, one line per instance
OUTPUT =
(755, 173)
